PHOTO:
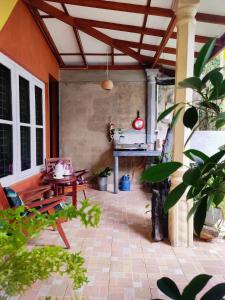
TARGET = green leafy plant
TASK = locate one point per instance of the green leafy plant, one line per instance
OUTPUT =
(205, 180)
(20, 266)
(210, 88)
(105, 173)
(190, 292)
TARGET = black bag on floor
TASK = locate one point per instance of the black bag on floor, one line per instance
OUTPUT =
(160, 191)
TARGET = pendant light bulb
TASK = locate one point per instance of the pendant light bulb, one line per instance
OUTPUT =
(107, 84)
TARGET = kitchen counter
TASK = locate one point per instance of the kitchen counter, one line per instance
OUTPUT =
(129, 153)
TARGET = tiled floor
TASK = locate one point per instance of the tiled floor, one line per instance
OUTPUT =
(121, 260)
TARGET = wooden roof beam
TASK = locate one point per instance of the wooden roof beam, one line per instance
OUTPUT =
(149, 47)
(49, 9)
(115, 67)
(144, 24)
(126, 7)
(209, 18)
(165, 39)
(46, 34)
(77, 37)
(141, 9)
(134, 29)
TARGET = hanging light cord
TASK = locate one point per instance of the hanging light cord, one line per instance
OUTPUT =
(107, 70)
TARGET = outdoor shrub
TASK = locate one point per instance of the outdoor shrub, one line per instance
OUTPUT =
(20, 267)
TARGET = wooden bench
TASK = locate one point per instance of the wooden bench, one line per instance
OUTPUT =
(31, 197)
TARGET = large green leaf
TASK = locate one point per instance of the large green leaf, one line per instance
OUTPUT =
(195, 286)
(175, 117)
(195, 155)
(218, 197)
(169, 288)
(220, 123)
(200, 215)
(192, 211)
(166, 112)
(214, 159)
(174, 196)
(190, 117)
(218, 92)
(160, 172)
(210, 74)
(191, 176)
(194, 83)
(196, 190)
(204, 56)
(215, 293)
(220, 116)
(216, 78)
(217, 157)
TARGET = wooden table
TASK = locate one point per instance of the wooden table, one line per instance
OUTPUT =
(129, 153)
(60, 184)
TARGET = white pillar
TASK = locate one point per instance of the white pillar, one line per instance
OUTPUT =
(151, 106)
(180, 230)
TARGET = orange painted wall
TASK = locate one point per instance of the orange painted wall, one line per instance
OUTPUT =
(23, 42)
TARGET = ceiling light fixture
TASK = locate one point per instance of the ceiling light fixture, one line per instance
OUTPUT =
(107, 84)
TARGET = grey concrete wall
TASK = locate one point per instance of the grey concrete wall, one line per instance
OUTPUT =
(85, 110)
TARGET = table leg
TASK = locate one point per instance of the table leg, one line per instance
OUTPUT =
(74, 194)
(56, 189)
(116, 174)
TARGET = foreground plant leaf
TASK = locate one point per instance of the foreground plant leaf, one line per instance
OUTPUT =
(195, 286)
(166, 112)
(210, 75)
(175, 117)
(160, 172)
(200, 215)
(203, 56)
(174, 196)
(215, 293)
(195, 155)
(190, 117)
(194, 83)
(191, 176)
(169, 288)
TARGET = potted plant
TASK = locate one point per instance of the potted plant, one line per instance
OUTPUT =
(203, 182)
(102, 178)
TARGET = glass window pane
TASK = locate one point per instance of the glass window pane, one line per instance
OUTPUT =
(39, 146)
(38, 105)
(24, 100)
(5, 93)
(25, 148)
(6, 150)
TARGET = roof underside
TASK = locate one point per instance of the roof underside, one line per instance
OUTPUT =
(131, 34)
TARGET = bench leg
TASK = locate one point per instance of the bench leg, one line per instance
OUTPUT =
(62, 234)
(84, 195)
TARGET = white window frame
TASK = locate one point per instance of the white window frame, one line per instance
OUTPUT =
(16, 71)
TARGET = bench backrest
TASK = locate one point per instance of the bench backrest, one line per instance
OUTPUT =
(4, 203)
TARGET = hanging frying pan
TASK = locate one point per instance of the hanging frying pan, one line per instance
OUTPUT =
(138, 123)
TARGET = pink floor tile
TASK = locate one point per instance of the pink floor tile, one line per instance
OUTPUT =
(122, 261)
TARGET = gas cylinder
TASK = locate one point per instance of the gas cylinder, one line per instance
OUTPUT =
(125, 183)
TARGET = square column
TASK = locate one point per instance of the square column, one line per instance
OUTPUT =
(181, 230)
(151, 106)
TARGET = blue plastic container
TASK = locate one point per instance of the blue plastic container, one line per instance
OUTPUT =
(125, 183)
